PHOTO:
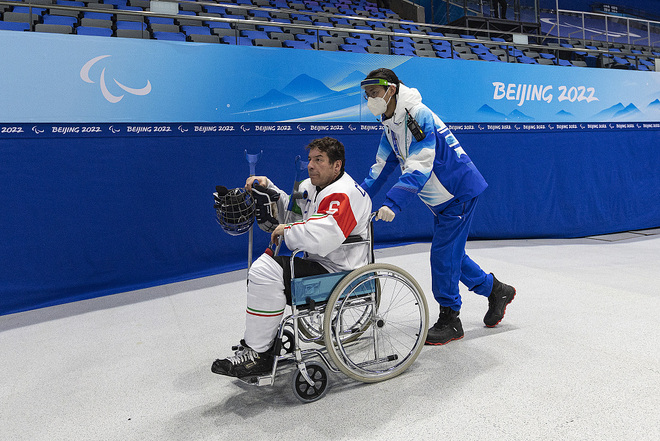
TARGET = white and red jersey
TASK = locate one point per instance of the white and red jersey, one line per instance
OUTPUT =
(329, 216)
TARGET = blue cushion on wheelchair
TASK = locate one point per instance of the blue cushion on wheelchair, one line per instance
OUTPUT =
(318, 288)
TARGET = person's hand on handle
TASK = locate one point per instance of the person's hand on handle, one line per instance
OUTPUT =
(385, 214)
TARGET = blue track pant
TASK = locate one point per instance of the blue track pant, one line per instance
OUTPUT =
(449, 263)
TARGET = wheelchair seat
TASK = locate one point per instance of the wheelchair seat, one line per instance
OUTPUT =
(309, 291)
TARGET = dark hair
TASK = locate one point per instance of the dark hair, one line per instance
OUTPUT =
(385, 74)
(331, 147)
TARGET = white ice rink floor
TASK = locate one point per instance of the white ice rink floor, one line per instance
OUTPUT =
(577, 357)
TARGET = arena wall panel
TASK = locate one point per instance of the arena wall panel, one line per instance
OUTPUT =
(110, 150)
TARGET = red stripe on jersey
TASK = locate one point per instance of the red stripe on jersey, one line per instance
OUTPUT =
(338, 205)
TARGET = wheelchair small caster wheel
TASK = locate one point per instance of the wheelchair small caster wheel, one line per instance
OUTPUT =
(288, 343)
(304, 391)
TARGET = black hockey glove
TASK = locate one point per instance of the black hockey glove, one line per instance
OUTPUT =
(265, 207)
(219, 195)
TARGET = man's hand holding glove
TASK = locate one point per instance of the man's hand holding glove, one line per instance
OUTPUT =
(385, 214)
(265, 207)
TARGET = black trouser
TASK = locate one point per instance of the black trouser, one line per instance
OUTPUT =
(494, 8)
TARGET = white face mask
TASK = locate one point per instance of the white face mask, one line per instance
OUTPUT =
(378, 105)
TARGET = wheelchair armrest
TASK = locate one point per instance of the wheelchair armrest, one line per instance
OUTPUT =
(354, 239)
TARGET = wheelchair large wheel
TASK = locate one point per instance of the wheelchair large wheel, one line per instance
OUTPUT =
(397, 323)
(312, 327)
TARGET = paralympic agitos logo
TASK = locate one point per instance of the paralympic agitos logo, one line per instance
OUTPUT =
(84, 75)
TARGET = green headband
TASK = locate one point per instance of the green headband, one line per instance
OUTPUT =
(374, 82)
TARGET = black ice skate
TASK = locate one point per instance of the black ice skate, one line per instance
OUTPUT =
(244, 363)
(501, 295)
(447, 328)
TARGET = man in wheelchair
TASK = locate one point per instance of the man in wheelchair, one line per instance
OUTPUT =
(332, 208)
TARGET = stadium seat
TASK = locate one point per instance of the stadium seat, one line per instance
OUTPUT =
(59, 20)
(160, 20)
(356, 41)
(159, 27)
(216, 25)
(527, 60)
(343, 22)
(200, 38)
(353, 48)
(403, 45)
(309, 39)
(425, 53)
(171, 36)
(53, 28)
(129, 17)
(131, 25)
(186, 5)
(195, 30)
(490, 57)
(241, 41)
(375, 42)
(96, 19)
(269, 29)
(253, 35)
(333, 47)
(333, 40)
(25, 10)
(215, 9)
(360, 36)
(64, 12)
(182, 21)
(378, 50)
(297, 44)
(132, 33)
(221, 32)
(467, 56)
(14, 26)
(281, 36)
(100, 32)
(267, 42)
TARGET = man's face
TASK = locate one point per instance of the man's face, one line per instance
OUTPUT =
(321, 171)
(386, 93)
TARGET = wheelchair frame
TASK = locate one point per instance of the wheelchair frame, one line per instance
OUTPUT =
(371, 326)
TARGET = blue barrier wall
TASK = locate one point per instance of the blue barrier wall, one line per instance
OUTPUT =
(98, 199)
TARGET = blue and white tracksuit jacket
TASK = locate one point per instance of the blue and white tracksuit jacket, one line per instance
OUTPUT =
(438, 170)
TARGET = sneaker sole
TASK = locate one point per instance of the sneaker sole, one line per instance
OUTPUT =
(428, 343)
(504, 312)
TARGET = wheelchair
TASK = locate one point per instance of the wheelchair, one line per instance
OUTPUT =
(369, 324)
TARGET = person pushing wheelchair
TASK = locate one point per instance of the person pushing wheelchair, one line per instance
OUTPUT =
(332, 208)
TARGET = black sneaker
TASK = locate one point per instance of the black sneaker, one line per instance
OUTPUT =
(245, 362)
(501, 295)
(447, 328)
